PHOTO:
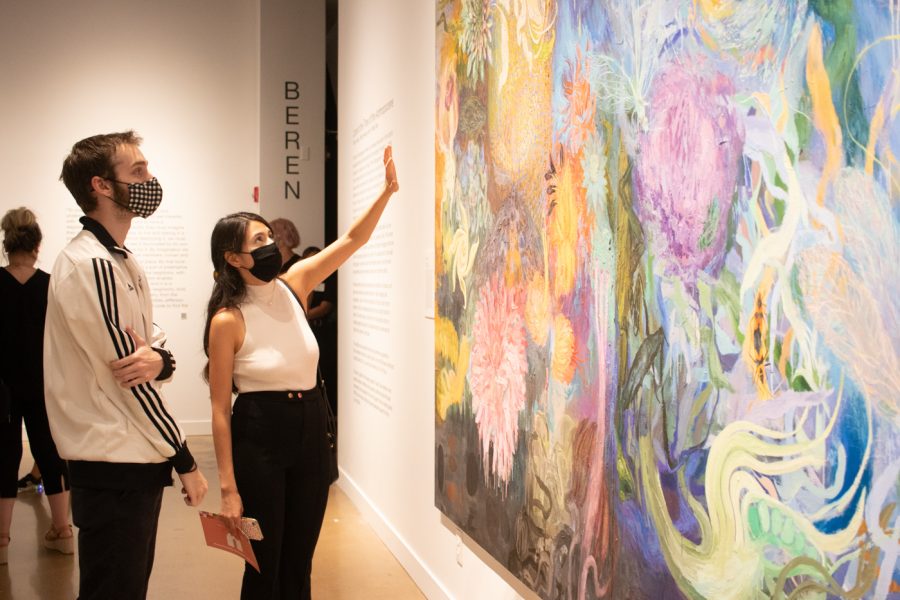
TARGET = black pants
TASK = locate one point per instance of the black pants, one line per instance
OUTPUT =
(29, 406)
(116, 541)
(279, 448)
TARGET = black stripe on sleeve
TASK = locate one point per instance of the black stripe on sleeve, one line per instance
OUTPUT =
(105, 280)
(166, 415)
(145, 392)
(112, 307)
(104, 308)
(164, 434)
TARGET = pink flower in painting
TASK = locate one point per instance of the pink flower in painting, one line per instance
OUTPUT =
(578, 115)
(447, 104)
(687, 168)
(497, 374)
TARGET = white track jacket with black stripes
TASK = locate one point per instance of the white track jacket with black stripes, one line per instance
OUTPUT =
(96, 291)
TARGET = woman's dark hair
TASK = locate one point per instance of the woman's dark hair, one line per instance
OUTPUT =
(21, 232)
(229, 288)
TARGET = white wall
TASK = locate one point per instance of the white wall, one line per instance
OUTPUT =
(387, 50)
(185, 75)
(292, 124)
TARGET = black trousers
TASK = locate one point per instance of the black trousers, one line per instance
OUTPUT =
(116, 541)
(29, 406)
(279, 448)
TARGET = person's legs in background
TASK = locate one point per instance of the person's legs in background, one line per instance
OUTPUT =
(10, 456)
(56, 476)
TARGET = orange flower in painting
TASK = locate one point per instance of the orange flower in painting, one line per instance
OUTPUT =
(537, 310)
(566, 208)
(497, 374)
(563, 364)
(578, 118)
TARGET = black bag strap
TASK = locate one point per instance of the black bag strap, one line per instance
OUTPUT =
(330, 418)
(318, 366)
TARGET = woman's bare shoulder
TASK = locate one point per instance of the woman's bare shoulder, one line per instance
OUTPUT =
(227, 318)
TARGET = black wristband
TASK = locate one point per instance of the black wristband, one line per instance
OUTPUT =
(168, 363)
(183, 461)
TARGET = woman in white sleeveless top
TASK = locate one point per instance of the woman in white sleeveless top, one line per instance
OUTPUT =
(271, 447)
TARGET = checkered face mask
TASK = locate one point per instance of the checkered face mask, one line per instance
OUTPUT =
(144, 198)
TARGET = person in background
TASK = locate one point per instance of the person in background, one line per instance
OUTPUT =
(286, 239)
(322, 315)
(272, 447)
(105, 364)
(23, 308)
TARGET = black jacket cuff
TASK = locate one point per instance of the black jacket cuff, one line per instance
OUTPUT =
(183, 461)
(168, 363)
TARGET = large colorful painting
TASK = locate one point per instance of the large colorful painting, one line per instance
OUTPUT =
(668, 271)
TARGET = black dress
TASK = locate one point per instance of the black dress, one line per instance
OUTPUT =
(23, 308)
(289, 263)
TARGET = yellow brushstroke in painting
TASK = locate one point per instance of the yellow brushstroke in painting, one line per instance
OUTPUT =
(711, 9)
(460, 255)
(537, 309)
(785, 352)
(563, 235)
(756, 344)
(512, 273)
(877, 124)
(439, 200)
(772, 247)
(889, 164)
(716, 9)
(824, 116)
(519, 92)
(454, 354)
(563, 363)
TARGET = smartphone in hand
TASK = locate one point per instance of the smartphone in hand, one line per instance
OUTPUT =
(250, 528)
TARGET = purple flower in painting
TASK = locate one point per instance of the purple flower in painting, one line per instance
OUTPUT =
(497, 373)
(687, 168)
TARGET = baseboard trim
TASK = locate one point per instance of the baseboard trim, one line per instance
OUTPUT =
(428, 583)
(200, 427)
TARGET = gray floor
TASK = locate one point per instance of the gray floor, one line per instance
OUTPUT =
(350, 561)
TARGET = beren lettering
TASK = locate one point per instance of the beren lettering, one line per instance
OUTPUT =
(292, 138)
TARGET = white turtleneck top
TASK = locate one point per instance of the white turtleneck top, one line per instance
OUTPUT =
(279, 352)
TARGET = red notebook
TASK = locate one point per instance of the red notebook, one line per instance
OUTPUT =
(218, 536)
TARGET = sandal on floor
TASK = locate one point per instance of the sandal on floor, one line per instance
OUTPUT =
(54, 540)
(4, 550)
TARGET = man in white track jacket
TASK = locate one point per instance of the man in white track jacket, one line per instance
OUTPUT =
(104, 365)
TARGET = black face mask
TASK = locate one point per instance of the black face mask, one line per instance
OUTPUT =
(266, 262)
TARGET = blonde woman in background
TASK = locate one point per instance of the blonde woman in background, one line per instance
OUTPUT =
(23, 308)
(286, 239)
